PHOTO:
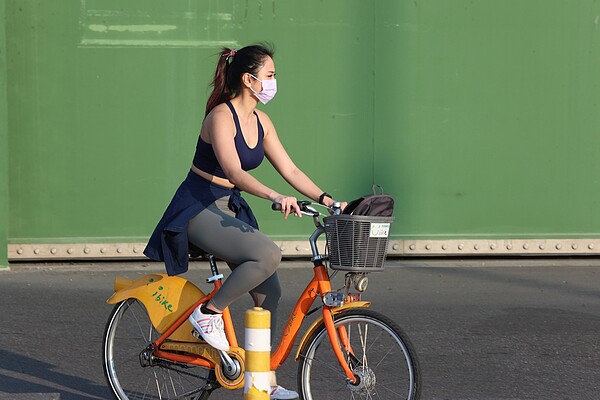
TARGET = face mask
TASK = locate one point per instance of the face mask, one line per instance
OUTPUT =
(269, 88)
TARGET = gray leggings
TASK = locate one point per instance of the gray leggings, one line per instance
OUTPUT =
(251, 256)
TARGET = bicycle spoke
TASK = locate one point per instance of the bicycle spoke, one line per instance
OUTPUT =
(382, 358)
(363, 342)
(157, 385)
(335, 367)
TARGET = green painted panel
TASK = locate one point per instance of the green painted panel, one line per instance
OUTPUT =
(106, 100)
(479, 116)
(3, 144)
(486, 117)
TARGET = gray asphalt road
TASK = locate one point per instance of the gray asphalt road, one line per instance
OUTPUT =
(512, 329)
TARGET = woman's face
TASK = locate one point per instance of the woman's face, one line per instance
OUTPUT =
(265, 73)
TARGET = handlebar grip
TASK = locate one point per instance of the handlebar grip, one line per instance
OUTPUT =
(301, 203)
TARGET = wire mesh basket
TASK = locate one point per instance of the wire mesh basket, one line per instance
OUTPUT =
(357, 243)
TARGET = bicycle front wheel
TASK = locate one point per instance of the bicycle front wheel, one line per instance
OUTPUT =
(378, 352)
(130, 369)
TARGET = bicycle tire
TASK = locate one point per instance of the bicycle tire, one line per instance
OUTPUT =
(128, 333)
(382, 357)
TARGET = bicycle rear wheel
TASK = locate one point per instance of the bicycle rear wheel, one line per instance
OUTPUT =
(130, 373)
(381, 356)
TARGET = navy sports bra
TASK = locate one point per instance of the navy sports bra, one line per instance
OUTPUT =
(250, 158)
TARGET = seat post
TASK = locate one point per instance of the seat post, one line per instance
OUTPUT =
(213, 265)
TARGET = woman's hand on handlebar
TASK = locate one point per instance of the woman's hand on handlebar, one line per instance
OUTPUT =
(329, 202)
(289, 205)
(343, 205)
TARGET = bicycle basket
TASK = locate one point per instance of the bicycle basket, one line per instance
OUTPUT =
(357, 243)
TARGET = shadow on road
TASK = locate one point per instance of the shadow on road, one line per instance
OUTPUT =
(22, 374)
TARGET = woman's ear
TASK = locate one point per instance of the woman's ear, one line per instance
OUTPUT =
(247, 79)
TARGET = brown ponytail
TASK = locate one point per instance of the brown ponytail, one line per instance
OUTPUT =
(231, 66)
(221, 91)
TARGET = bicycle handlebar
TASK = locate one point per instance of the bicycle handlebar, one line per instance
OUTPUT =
(305, 208)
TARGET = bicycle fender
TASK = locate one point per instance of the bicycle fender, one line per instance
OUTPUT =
(165, 298)
(319, 321)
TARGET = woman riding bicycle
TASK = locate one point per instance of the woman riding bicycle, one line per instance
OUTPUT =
(207, 210)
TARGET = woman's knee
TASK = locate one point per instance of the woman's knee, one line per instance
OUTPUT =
(270, 257)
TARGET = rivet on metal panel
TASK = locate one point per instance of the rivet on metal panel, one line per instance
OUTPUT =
(444, 246)
(525, 246)
(119, 250)
(282, 248)
(136, 250)
(87, 250)
(395, 246)
(70, 251)
(509, 246)
(461, 246)
(54, 251)
(427, 247)
(574, 246)
(19, 251)
(493, 246)
(591, 246)
(412, 247)
(558, 246)
(542, 247)
(103, 250)
(36, 251)
(476, 246)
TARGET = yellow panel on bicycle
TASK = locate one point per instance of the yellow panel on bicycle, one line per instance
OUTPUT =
(165, 298)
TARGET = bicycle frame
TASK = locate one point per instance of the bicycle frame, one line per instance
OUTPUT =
(318, 286)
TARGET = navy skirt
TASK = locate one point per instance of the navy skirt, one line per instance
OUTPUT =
(169, 241)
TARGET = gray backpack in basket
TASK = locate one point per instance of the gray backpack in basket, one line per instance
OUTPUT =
(374, 205)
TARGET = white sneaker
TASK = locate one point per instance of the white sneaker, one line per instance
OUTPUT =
(279, 393)
(211, 328)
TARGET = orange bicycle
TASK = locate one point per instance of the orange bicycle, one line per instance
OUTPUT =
(151, 351)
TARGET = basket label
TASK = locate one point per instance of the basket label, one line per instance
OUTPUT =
(380, 229)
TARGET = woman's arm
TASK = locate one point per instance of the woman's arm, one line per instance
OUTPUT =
(221, 130)
(282, 162)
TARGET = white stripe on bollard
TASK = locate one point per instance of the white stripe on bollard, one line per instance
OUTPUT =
(261, 339)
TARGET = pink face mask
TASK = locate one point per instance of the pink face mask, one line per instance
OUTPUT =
(269, 89)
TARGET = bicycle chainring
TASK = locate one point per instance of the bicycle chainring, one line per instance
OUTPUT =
(233, 379)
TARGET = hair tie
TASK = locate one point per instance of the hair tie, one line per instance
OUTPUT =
(230, 54)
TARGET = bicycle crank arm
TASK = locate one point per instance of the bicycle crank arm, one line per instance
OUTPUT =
(227, 361)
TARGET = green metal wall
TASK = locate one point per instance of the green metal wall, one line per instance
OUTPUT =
(3, 145)
(481, 117)
(487, 116)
